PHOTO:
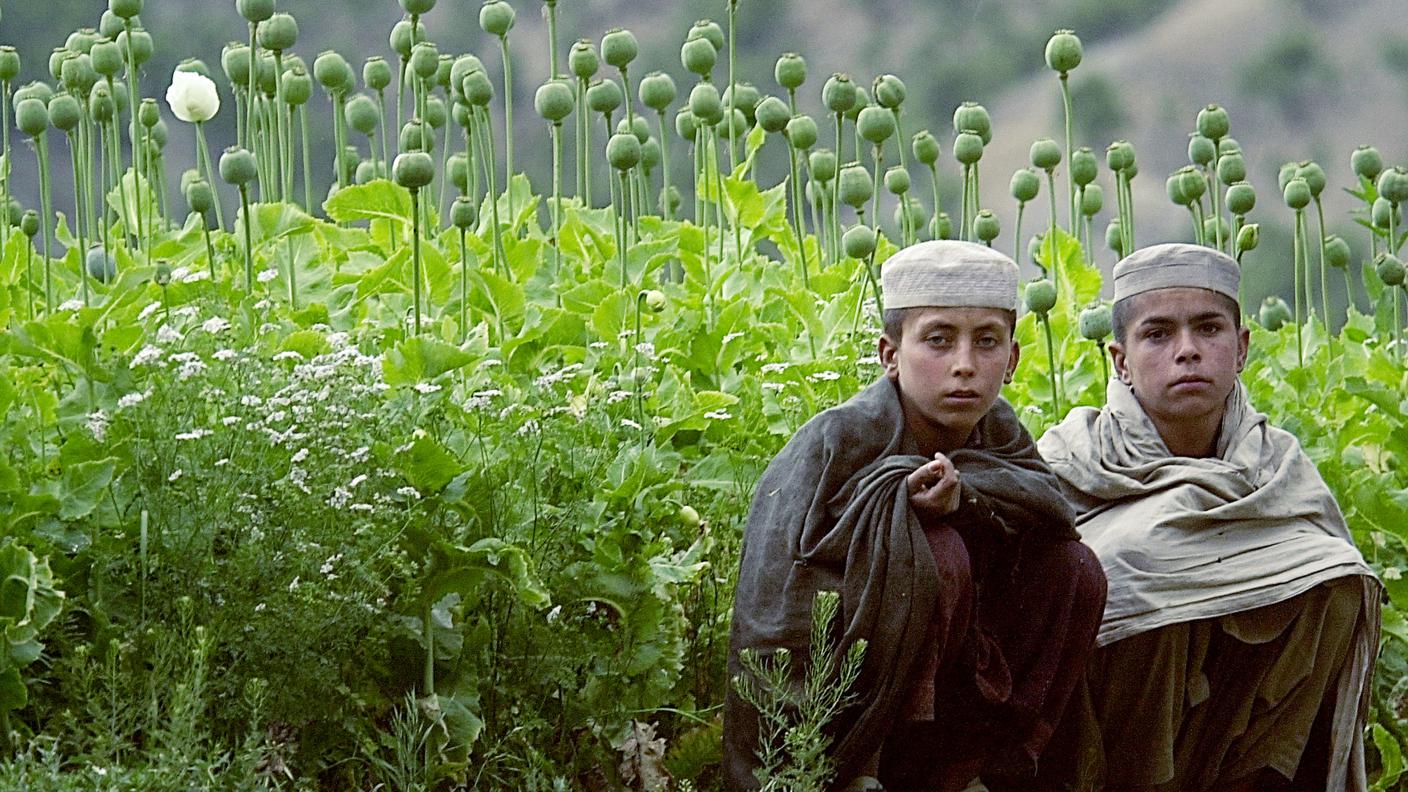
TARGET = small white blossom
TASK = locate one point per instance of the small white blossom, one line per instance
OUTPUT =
(718, 415)
(361, 507)
(731, 337)
(529, 426)
(174, 475)
(824, 376)
(300, 456)
(146, 355)
(598, 345)
(225, 355)
(775, 368)
(167, 334)
(646, 349)
(627, 422)
(194, 434)
(293, 586)
(98, 425)
(130, 400)
(152, 307)
(617, 395)
(250, 400)
(190, 368)
(426, 387)
(71, 305)
(222, 462)
(267, 275)
(775, 387)
(408, 492)
(198, 275)
(1393, 573)
(287, 354)
(215, 324)
(260, 608)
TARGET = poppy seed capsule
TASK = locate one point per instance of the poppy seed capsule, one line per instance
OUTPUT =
(81, 40)
(1213, 123)
(425, 59)
(36, 90)
(973, 117)
(1040, 296)
(461, 111)
(1249, 237)
(234, 60)
(897, 180)
(457, 169)
(298, 86)
(968, 147)
(790, 71)
(413, 170)
(623, 151)
(926, 147)
(1274, 313)
(1095, 322)
(747, 98)
(100, 103)
(29, 223)
(889, 91)
(1173, 185)
(554, 101)
(698, 56)
(56, 62)
(100, 265)
(876, 124)
(1314, 176)
(655, 301)
(710, 31)
(199, 196)
(1045, 154)
(1201, 151)
(705, 104)
(637, 127)
(1092, 200)
(264, 75)
(1365, 160)
(496, 17)
(909, 210)
(619, 47)
(10, 63)
(417, 7)
(1117, 157)
(255, 10)
(237, 166)
(332, 72)
(1194, 185)
(1297, 193)
(657, 91)
(141, 44)
(1381, 212)
(64, 112)
(740, 124)
(1215, 226)
(822, 164)
(1389, 268)
(650, 154)
(1231, 168)
(801, 132)
(31, 116)
(858, 241)
(78, 74)
(460, 69)
(839, 93)
(126, 9)
(772, 114)
(1063, 51)
(401, 39)
(1337, 252)
(362, 114)
(1285, 173)
(1393, 184)
(463, 214)
(1083, 166)
(986, 225)
(1241, 198)
(104, 55)
(279, 32)
(414, 137)
(686, 125)
(941, 227)
(1025, 184)
(478, 91)
(854, 189)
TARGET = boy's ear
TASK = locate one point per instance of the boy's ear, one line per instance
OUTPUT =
(888, 356)
(1121, 364)
(1012, 361)
(1244, 340)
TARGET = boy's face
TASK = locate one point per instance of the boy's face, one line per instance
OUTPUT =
(1181, 354)
(949, 366)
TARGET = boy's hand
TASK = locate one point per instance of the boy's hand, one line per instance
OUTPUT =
(933, 488)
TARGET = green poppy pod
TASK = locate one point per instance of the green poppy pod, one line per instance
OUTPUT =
(148, 113)
(78, 73)
(619, 47)
(746, 100)
(16, 212)
(1063, 51)
(107, 58)
(705, 103)
(195, 66)
(81, 40)
(141, 44)
(10, 63)
(973, 117)
(655, 302)
(1201, 151)
(376, 73)
(1045, 154)
(674, 198)
(464, 215)
(1092, 200)
(366, 172)
(237, 166)
(604, 96)
(34, 90)
(698, 56)
(1025, 184)
(1118, 157)
(65, 113)
(1382, 211)
(858, 242)
(986, 226)
(1084, 166)
(801, 132)
(162, 276)
(1241, 198)
(686, 125)
(822, 164)
(740, 124)
(425, 59)
(413, 170)
(1173, 185)
(188, 176)
(414, 137)
(925, 147)
(265, 74)
(362, 113)
(401, 39)
(862, 102)
(1284, 175)
(1227, 144)
(57, 56)
(496, 17)
(554, 101)
(444, 67)
(333, 72)
(255, 10)
(460, 69)
(710, 31)
(1389, 269)
(1337, 252)
(1314, 176)
(650, 154)
(101, 266)
(839, 93)
(772, 114)
(298, 86)
(790, 71)
(1393, 184)
(31, 117)
(909, 211)
(1095, 322)
(457, 171)
(199, 196)
(582, 59)
(1231, 168)
(897, 180)
(29, 223)
(279, 32)
(889, 91)
(968, 147)
(1274, 314)
(855, 187)
(234, 60)
(1215, 226)
(1213, 123)
(876, 124)
(941, 227)
(657, 91)
(1194, 185)
(417, 7)
(478, 90)
(1040, 296)
(100, 103)
(461, 112)
(125, 9)
(435, 113)
(1297, 193)
(623, 151)
(158, 135)
(1366, 162)
(110, 24)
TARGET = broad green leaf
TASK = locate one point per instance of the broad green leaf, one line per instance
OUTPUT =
(427, 465)
(378, 199)
(82, 486)
(421, 360)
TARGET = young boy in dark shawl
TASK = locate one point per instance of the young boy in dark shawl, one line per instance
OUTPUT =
(1239, 638)
(923, 502)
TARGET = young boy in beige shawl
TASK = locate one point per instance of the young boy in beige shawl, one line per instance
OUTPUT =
(923, 502)
(1239, 637)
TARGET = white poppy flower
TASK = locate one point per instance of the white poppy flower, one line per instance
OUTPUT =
(192, 97)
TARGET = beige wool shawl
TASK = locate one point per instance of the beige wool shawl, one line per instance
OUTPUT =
(1185, 538)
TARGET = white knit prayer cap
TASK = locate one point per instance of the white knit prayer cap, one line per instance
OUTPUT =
(948, 273)
(1176, 264)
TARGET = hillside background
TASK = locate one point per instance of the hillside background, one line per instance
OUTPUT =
(1300, 78)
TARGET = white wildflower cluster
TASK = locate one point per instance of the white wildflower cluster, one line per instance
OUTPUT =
(151, 308)
(775, 387)
(598, 345)
(628, 423)
(561, 375)
(175, 474)
(646, 350)
(98, 424)
(409, 492)
(147, 356)
(286, 355)
(225, 355)
(194, 434)
(267, 275)
(194, 277)
(1393, 573)
(824, 376)
(718, 415)
(426, 388)
(529, 426)
(732, 337)
(482, 399)
(299, 456)
(215, 325)
(872, 361)
(71, 305)
(775, 368)
(132, 399)
(331, 563)
(618, 396)
(167, 334)
(190, 365)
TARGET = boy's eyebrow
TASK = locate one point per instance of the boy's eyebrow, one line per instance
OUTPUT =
(938, 324)
(1195, 318)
